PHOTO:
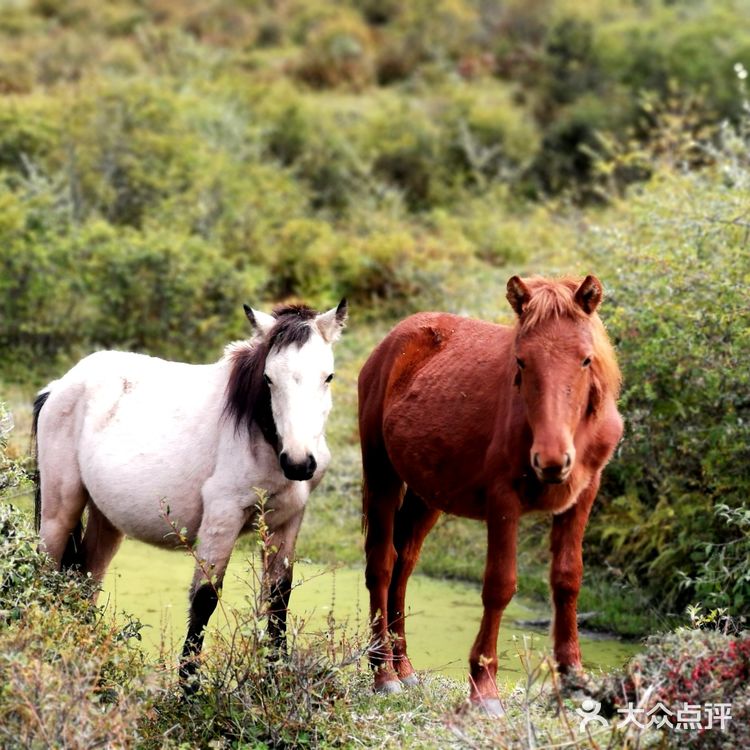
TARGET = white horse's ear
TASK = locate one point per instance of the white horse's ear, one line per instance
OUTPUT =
(261, 322)
(331, 323)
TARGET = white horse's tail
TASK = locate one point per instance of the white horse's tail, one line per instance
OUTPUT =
(39, 402)
(73, 550)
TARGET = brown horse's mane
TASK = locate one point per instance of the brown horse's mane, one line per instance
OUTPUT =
(248, 397)
(552, 299)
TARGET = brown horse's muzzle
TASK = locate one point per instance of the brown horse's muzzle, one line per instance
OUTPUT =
(552, 470)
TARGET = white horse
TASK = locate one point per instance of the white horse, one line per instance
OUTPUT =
(127, 436)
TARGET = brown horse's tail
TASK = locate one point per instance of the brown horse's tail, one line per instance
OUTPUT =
(73, 555)
(379, 477)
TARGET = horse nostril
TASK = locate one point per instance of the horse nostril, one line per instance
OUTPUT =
(568, 460)
(284, 459)
(535, 461)
(312, 464)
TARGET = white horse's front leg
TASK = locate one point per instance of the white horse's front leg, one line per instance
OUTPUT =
(278, 564)
(217, 534)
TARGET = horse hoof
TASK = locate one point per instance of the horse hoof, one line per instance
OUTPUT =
(411, 680)
(492, 707)
(389, 687)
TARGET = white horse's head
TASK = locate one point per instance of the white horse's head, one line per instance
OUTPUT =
(297, 374)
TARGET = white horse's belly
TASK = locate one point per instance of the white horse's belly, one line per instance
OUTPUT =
(145, 496)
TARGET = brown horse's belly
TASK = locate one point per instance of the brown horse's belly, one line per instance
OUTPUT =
(440, 457)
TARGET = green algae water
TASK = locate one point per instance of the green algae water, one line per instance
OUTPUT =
(443, 616)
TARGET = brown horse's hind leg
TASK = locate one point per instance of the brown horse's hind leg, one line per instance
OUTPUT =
(382, 491)
(413, 522)
(100, 543)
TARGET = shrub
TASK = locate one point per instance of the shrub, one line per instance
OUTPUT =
(679, 317)
(698, 668)
(11, 473)
(69, 676)
(720, 577)
(407, 145)
(338, 52)
(28, 131)
(159, 292)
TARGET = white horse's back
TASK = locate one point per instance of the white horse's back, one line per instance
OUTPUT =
(141, 432)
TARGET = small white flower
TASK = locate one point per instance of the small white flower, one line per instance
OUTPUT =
(740, 70)
(6, 424)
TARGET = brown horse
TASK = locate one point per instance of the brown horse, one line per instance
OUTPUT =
(488, 422)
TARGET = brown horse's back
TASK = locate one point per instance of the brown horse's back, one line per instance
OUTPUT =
(434, 389)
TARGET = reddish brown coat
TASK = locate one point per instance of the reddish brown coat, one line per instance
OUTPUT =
(488, 422)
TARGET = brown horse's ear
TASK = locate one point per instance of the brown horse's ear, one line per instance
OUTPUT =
(518, 294)
(589, 294)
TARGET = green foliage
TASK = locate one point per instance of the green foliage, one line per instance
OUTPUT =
(338, 52)
(69, 676)
(678, 274)
(11, 473)
(721, 576)
(154, 291)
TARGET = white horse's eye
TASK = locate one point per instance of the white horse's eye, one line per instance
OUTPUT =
(267, 379)
(329, 378)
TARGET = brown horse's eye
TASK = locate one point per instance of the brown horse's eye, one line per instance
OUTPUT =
(521, 364)
(586, 362)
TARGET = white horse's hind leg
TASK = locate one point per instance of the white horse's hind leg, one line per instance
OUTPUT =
(218, 532)
(101, 541)
(64, 499)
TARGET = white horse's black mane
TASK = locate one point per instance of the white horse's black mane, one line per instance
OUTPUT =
(248, 397)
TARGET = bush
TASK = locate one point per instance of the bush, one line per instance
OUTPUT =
(158, 292)
(679, 317)
(11, 473)
(338, 52)
(698, 668)
(408, 146)
(69, 676)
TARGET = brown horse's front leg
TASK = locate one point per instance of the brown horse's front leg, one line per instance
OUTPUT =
(497, 591)
(565, 577)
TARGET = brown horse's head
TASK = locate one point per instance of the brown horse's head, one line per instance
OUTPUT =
(566, 366)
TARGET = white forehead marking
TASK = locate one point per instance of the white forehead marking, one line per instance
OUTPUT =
(300, 365)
